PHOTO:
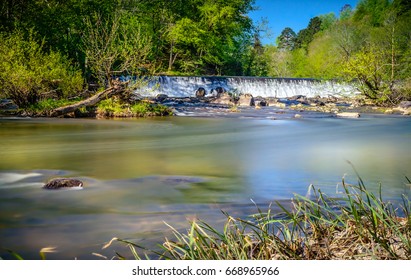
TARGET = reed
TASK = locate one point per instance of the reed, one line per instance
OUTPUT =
(360, 225)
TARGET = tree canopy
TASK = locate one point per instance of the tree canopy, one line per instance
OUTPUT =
(101, 39)
(369, 44)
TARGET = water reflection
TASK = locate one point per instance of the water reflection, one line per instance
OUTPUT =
(140, 173)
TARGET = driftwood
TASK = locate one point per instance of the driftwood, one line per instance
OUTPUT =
(117, 88)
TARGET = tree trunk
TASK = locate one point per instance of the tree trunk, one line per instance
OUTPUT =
(116, 88)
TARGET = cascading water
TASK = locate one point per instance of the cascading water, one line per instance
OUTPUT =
(179, 86)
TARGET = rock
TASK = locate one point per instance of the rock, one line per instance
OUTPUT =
(223, 98)
(161, 97)
(348, 115)
(303, 100)
(7, 104)
(219, 91)
(388, 111)
(404, 107)
(332, 99)
(278, 105)
(271, 100)
(201, 92)
(298, 116)
(63, 183)
(405, 104)
(296, 97)
(260, 101)
(407, 112)
(246, 100)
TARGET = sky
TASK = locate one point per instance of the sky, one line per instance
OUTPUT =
(293, 13)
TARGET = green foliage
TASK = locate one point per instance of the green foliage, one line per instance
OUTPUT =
(111, 38)
(327, 21)
(286, 40)
(305, 36)
(371, 11)
(114, 107)
(44, 106)
(28, 74)
(324, 58)
(114, 46)
(369, 44)
(144, 108)
(110, 107)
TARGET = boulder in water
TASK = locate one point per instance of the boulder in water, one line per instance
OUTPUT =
(246, 100)
(223, 99)
(161, 97)
(201, 92)
(219, 91)
(63, 183)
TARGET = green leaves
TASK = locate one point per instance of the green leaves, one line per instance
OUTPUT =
(29, 74)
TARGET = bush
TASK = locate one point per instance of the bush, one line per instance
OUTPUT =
(28, 74)
(114, 107)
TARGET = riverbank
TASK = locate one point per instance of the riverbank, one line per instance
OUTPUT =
(358, 226)
(222, 104)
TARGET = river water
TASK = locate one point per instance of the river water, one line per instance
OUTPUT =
(142, 173)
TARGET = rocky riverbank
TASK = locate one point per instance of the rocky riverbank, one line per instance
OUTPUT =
(224, 103)
(299, 105)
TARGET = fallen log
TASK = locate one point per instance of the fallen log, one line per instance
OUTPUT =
(117, 88)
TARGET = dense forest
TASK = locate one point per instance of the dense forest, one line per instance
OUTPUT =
(52, 49)
(369, 44)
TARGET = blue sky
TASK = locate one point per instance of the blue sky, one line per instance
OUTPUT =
(294, 13)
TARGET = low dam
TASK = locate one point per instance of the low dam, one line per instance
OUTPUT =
(182, 86)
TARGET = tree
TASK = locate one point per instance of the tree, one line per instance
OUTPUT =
(114, 46)
(305, 36)
(327, 21)
(278, 62)
(346, 12)
(371, 12)
(286, 40)
(29, 74)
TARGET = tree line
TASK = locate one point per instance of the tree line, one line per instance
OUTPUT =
(49, 47)
(52, 48)
(369, 44)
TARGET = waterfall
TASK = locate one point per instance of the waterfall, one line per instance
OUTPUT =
(181, 86)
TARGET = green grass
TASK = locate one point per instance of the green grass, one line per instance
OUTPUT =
(45, 106)
(360, 225)
(114, 108)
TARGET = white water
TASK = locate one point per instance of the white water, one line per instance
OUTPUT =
(179, 86)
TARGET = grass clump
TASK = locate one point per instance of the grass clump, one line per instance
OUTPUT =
(114, 107)
(360, 225)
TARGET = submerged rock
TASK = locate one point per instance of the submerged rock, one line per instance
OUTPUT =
(63, 183)
(348, 115)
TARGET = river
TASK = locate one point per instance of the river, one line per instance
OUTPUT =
(141, 173)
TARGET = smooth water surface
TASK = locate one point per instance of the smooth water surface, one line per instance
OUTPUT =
(139, 174)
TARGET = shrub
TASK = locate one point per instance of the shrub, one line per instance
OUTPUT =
(29, 74)
(114, 107)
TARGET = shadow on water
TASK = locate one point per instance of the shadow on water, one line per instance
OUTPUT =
(139, 174)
